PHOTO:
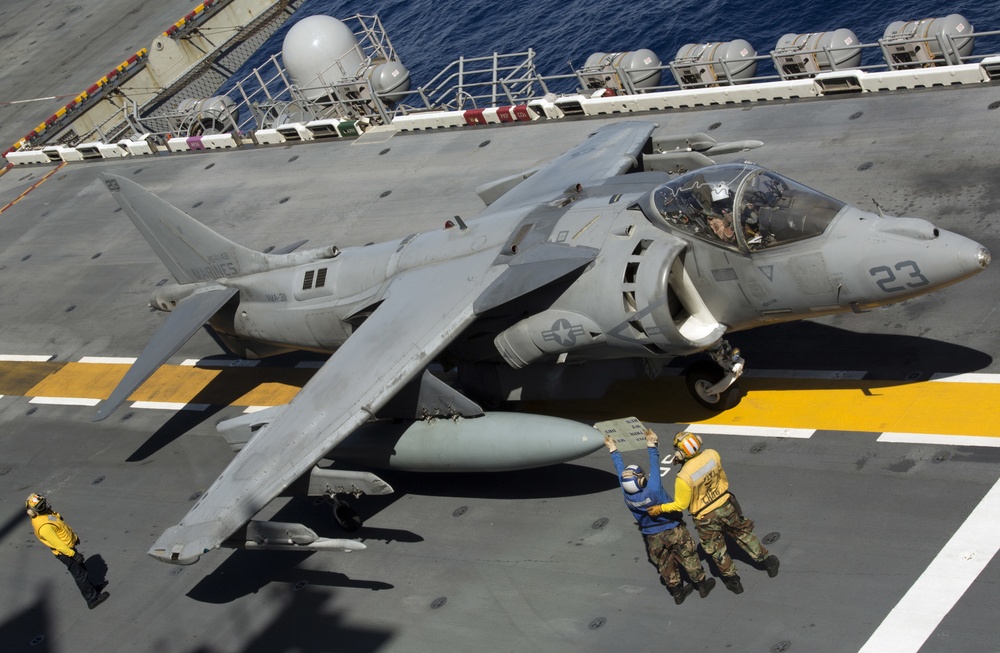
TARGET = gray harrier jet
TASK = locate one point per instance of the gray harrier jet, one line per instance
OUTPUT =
(607, 258)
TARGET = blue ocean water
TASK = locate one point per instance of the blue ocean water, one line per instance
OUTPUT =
(429, 34)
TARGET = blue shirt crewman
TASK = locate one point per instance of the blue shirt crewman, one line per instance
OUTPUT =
(668, 541)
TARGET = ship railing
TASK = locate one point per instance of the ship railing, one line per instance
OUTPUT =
(488, 81)
(264, 95)
(372, 38)
(462, 82)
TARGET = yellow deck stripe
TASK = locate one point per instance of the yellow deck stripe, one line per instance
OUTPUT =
(927, 407)
(169, 384)
(833, 405)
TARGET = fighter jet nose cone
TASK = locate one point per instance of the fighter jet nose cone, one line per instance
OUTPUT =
(983, 257)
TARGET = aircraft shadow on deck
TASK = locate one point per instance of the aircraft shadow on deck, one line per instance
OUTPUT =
(886, 360)
(808, 345)
(247, 572)
(31, 628)
(231, 383)
(306, 624)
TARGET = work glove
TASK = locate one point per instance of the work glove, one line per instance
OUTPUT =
(650, 438)
(610, 444)
(655, 511)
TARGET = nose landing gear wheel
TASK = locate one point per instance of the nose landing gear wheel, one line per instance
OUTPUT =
(701, 377)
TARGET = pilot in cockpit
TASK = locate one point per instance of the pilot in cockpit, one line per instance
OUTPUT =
(721, 217)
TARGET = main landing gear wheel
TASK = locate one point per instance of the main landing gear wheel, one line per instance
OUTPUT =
(701, 377)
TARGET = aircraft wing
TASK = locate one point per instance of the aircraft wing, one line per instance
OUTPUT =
(612, 150)
(423, 311)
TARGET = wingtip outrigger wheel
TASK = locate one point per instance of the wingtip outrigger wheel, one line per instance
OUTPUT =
(346, 516)
(713, 385)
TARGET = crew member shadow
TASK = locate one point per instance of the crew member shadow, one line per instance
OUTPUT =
(735, 552)
(97, 568)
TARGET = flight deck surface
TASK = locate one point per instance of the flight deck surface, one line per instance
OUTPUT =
(865, 449)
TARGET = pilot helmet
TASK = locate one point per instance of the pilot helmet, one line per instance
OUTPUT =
(633, 479)
(720, 191)
(687, 445)
(36, 504)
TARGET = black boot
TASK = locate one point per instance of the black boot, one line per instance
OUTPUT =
(733, 584)
(680, 592)
(101, 598)
(705, 586)
(771, 565)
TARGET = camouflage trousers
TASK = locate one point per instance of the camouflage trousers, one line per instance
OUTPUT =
(672, 549)
(725, 520)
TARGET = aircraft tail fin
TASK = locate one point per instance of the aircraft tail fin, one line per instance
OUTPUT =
(190, 250)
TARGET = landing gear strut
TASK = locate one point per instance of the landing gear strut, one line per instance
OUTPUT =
(713, 385)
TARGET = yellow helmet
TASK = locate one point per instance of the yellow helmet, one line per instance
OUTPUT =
(687, 445)
(36, 504)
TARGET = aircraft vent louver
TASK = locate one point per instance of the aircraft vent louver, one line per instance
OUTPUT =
(307, 283)
(641, 247)
(628, 299)
(321, 277)
(631, 269)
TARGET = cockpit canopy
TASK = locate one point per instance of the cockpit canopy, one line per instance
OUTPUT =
(741, 206)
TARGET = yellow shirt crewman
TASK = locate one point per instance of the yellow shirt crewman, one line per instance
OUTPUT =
(56, 534)
(703, 489)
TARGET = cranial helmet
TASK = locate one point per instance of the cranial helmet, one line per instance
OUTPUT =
(687, 445)
(720, 192)
(36, 504)
(633, 479)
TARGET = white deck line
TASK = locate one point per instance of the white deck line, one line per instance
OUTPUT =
(824, 375)
(167, 405)
(202, 362)
(64, 401)
(963, 558)
(941, 377)
(18, 358)
(934, 438)
(107, 360)
(757, 431)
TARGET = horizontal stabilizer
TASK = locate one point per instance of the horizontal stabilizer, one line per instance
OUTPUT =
(190, 314)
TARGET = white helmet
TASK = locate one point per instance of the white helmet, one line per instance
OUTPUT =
(720, 191)
(633, 479)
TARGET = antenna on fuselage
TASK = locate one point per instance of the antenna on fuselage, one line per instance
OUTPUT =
(879, 207)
